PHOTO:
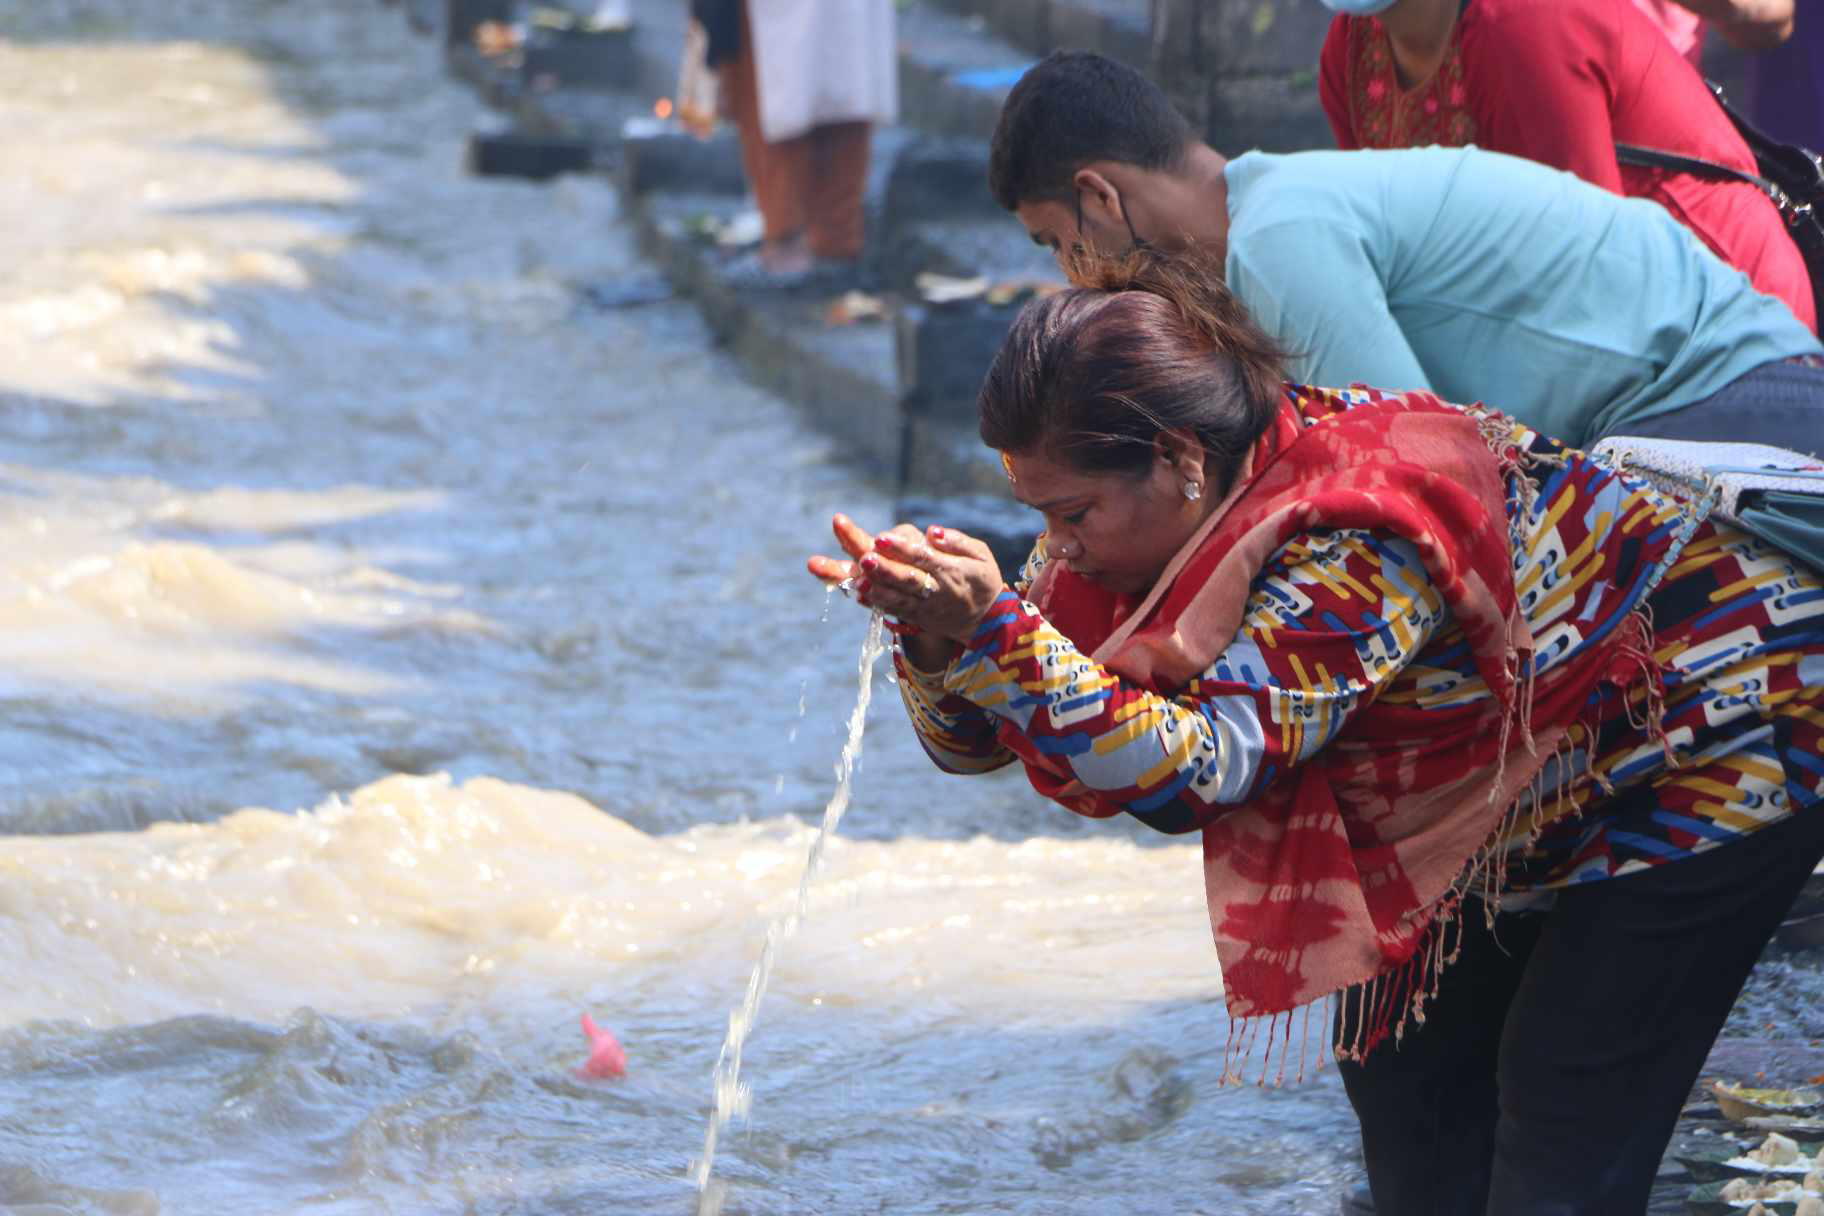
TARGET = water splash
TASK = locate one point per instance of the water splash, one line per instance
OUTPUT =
(803, 688)
(732, 1097)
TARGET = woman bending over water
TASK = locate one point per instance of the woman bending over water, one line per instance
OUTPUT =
(1508, 759)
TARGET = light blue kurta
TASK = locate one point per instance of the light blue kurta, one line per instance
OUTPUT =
(1485, 277)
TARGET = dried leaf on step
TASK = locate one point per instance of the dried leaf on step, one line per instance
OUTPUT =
(855, 306)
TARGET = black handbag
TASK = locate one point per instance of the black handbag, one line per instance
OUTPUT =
(1792, 176)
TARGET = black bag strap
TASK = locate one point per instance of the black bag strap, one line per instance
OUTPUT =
(1798, 169)
(1790, 175)
(1793, 177)
(1672, 162)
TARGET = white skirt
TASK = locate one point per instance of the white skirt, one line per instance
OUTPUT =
(823, 61)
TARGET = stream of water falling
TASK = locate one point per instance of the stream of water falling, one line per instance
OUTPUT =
(732, 1098)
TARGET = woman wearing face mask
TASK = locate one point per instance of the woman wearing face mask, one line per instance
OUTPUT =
(1406, 666)
(1562, 82)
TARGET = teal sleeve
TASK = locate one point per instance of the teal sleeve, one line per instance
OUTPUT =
(1313, 287)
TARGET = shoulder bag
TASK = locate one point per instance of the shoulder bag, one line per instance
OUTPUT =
(1790, 175)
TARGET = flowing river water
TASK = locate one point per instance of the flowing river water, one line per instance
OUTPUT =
(399, 658)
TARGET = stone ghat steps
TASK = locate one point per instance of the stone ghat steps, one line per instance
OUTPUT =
(1120, 29)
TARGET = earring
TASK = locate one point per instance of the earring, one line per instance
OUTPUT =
(1192, 491)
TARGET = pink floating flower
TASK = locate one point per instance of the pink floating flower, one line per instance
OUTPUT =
(606, 1059)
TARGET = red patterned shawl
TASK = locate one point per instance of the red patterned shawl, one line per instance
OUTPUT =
(1345, 867)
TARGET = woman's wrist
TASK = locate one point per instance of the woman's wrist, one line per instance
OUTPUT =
(928, 654)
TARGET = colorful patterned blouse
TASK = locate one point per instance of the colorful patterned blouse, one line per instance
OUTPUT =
(1339, 619)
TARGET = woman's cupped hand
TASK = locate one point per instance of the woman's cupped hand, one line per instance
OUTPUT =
(940, 580)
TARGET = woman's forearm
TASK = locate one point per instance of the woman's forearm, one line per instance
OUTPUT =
(928, 653)
(958, 736)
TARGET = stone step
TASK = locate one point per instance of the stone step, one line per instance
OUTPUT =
(1120, 29)
(843, 377)
(954, 72)
(534, 157)
(897, 395)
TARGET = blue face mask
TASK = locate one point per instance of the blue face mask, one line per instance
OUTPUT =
(1358, 8)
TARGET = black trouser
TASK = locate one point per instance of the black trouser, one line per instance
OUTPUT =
(1551, 1068)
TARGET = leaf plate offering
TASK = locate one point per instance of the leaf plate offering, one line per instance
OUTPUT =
(1741, 1102)
(1708, 1200)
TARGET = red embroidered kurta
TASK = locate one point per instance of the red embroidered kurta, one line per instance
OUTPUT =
(1561, 82)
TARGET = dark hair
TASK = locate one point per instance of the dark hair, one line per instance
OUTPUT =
(1074, 107)
(1093, 375)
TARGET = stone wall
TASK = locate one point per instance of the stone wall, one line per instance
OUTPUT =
(1243, 71)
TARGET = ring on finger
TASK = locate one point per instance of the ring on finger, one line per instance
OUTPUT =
(928, 586)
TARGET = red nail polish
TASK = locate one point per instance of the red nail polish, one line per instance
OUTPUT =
(937, 533)
(870, 563)
(885, 542)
